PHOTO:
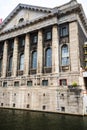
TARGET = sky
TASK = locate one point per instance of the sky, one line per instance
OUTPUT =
(6, 6)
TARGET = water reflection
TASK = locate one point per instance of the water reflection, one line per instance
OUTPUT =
(25, 120)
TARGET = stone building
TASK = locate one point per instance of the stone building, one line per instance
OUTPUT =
(43, 54)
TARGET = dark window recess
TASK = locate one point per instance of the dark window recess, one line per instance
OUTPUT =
(44, 107)
(34, 38)
(44, 94)
(21, 42)
(1, 48)
(13, 104)
(63, 82)
(10, 63)
(14, 94)
(45, 82)
(28, 106)
(16, 83)
(4, 84)
(21, 20)
(63, 109)
(47, 34)
(1, 104)
(29, 83)
(28, 94)
(10, 45)
(0, 64)
(64, 30)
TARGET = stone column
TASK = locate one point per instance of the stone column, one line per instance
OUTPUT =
(5, 59)
(15, 57)
(55, 50)
(39, 53)
(74, 48)
(26, 54)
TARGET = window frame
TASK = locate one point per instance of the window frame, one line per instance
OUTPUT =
(21, 65)
(48, 57)
(34, 60)
(64, 55)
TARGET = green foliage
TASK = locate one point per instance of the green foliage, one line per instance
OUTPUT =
(74, 84)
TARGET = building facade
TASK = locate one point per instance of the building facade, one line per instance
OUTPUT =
(43, 59)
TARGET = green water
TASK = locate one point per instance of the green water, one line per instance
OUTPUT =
(26, 120)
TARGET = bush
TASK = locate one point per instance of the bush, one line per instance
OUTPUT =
(74, 84)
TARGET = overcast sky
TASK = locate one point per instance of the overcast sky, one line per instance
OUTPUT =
(6, 6)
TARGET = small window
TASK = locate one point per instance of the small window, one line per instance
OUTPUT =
(16, 84)
(63, 82)
(28, 105)
(13, 104)
(44, 107)
(29, 83)
(63, 109)
(21, 20)
(45, 82)
(4, 84)
(1, 104)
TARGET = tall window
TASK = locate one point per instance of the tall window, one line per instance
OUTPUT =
(10, 63)
(34, 60)
(48, 57)
(65, 55)
(21, 67)
(0, 64)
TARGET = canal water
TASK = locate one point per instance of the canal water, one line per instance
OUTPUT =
(26, 120)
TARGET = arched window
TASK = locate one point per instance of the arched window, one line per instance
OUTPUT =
(65, 55)
(21, 67)
(34, 59)
(48, 57)
(10, 63)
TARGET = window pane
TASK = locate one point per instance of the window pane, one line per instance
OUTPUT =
(48, 35)
(45, 82)
(10, 64)
(35, 39)
(34, 60)
(65, 55)
(49, 57)
(22, 62)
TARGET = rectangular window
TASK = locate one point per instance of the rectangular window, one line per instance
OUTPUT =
(45, 82)
(63, 109)
(47, 34)
(64, 30)
(29, 83)
(4, 84)
(16, 84)
(22, 41)
(35, 39)
(63, 82)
